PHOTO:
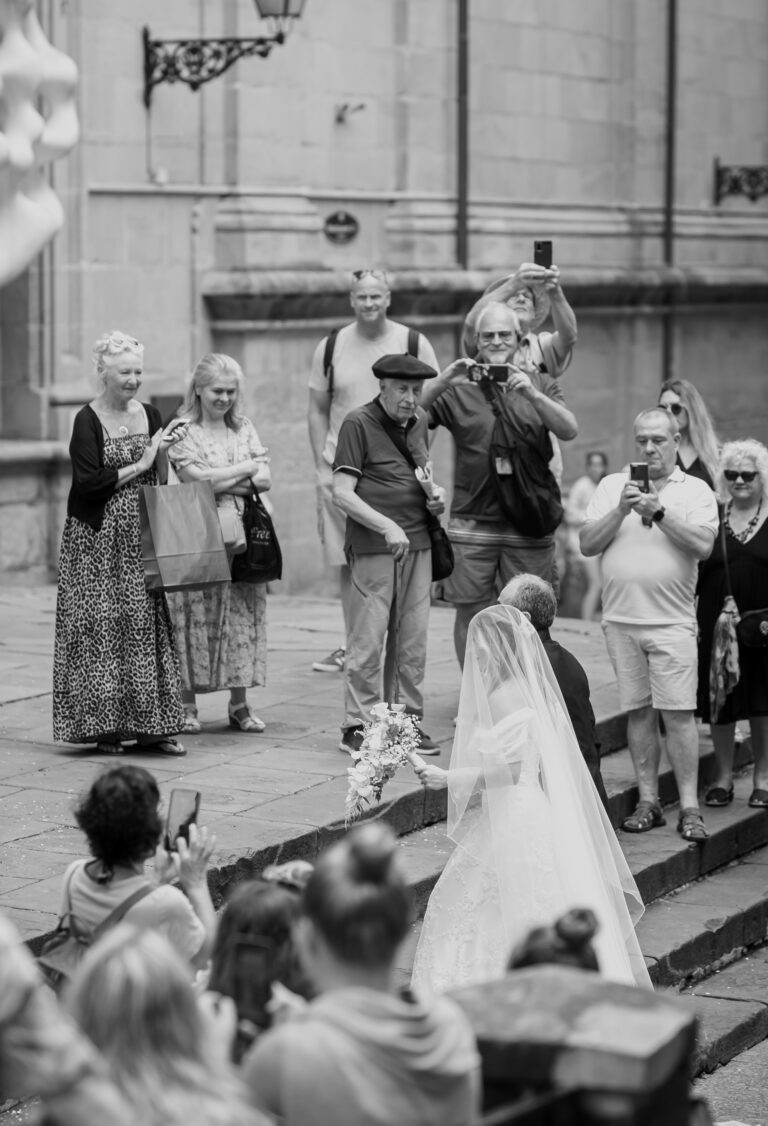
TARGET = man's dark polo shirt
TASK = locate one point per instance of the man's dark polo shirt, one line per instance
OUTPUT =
(574, 686)
(385, 479)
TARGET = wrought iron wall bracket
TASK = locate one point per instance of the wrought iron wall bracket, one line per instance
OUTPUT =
(750, 180)
(196, 61)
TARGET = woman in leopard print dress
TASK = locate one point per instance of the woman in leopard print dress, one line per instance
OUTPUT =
(115, 674)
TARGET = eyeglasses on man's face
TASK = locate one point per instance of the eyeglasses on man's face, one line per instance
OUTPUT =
(747, 475)
(673, 408)
(506, 337)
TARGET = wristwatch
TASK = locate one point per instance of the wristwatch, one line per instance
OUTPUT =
(658, 515)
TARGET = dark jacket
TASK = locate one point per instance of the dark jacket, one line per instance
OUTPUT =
(574, 686)
(93, 484)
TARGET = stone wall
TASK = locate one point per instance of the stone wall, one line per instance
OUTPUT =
(200, 223)
(34, 482)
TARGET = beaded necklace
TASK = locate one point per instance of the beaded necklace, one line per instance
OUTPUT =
(744, 534)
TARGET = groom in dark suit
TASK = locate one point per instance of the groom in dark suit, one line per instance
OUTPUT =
(535, 598)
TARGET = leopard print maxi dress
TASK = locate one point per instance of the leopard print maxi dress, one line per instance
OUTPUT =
(115, 667)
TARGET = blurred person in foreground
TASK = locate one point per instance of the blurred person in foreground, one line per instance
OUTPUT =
(697, 454)
(651, 543)
(362, 1053)
(346, 384)
(115, 670)
(120, 816)
(532, 839)
(42, 1052)
(535, 598)
(576, 504)
(388, 546)
(221, 632)
(166, 1053)
(742, 547)
(566, 942)
(254, 959)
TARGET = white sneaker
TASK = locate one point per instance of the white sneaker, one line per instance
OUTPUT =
(334, 662)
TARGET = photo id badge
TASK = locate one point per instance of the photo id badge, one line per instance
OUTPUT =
(503, 467)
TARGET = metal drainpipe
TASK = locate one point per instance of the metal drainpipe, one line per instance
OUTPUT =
(668, 321)
(462, 133)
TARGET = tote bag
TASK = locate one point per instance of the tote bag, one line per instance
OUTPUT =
(182, 547)
(262, 560)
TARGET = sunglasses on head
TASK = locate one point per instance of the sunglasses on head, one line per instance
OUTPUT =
(673, 408)
(359, 274)
(747, 475)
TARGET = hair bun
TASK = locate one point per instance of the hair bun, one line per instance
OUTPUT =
(372, 851)
(577, 927)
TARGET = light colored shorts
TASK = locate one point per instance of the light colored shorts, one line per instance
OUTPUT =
(654, 665)
(486, 559)
(331, 521)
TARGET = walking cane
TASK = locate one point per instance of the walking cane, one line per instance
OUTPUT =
(392, 671)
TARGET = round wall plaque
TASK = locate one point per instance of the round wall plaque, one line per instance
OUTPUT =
(341, 227)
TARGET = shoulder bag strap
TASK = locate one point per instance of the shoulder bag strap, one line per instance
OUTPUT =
(115, 916)
(68, 893)
(724, 541)
(400, 444)
(413, 342)
(330, 345)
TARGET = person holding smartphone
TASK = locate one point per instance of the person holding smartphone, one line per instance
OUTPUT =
(491, 543)
(115, 671)
(651, 538)
(120, 816)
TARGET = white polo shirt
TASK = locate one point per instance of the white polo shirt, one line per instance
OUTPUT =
(647, 580)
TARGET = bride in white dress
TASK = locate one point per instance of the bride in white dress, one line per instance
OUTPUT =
(532, 837)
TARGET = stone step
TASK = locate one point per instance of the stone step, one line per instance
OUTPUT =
(660, 860)
(692, 932)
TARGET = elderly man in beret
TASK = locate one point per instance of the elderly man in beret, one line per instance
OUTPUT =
(387, 544)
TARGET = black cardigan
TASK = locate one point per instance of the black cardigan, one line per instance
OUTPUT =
(92, 482)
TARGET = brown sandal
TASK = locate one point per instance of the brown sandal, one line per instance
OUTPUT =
(691, 827)
(647, 816)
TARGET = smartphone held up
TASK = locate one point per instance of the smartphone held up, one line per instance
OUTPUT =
(638, 475)
(183, 809)
(542, 253)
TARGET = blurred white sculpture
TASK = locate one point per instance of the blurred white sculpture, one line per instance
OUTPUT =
(39, 124)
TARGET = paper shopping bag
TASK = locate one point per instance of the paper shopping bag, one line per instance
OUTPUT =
(182, 547)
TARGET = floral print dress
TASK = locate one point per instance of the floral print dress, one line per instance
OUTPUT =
(221, 632)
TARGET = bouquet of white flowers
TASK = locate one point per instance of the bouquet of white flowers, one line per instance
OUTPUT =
(390, 739)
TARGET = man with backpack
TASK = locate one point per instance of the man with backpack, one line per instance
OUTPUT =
(506, 501)
(341, 380)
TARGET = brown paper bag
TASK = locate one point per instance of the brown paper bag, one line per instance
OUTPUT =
(181, 542)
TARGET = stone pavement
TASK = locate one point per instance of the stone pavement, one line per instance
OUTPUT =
(278, 794)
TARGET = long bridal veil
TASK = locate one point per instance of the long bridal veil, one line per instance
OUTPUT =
(530, 830)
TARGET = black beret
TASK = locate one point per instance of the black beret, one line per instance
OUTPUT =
(402, 366)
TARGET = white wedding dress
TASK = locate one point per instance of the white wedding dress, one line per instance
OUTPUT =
(532, 838)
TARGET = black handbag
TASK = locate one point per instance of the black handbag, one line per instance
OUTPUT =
(262, 560)
(752, 627)
(527, 492)
(442, 549)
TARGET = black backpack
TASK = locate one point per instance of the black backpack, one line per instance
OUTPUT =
(330, 345)
(528, 495)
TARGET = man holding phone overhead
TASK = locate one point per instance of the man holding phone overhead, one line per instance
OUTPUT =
(652, 527)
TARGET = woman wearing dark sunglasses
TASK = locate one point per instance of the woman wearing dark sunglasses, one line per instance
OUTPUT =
(742, 483)
(697, 453)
